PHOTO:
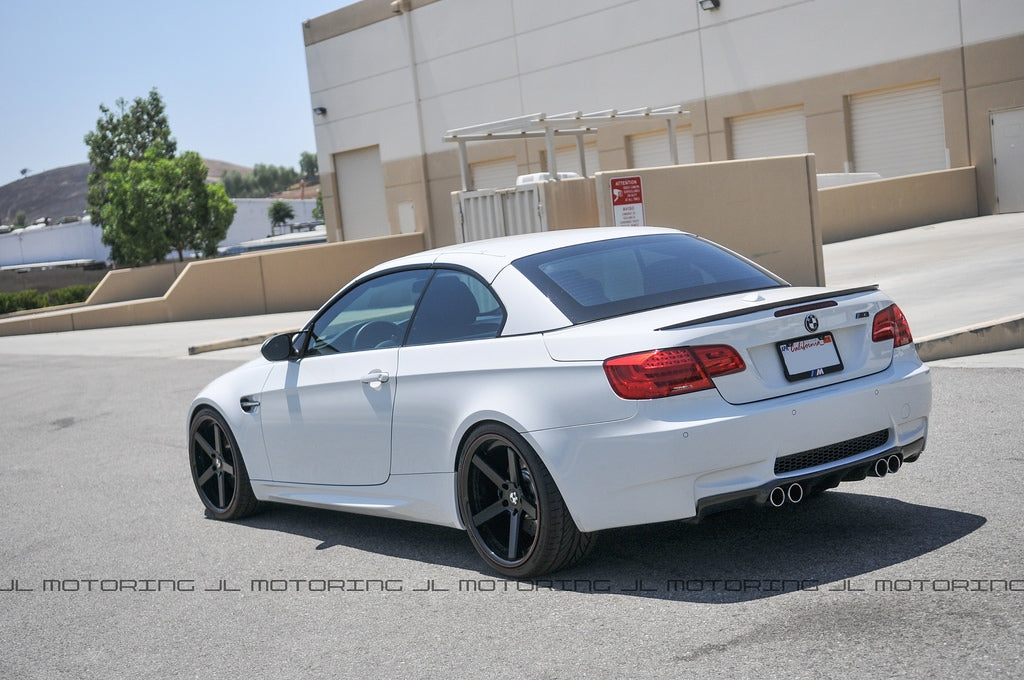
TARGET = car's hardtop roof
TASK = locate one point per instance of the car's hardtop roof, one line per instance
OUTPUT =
(489, 256)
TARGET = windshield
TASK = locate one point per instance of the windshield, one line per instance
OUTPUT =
(621, 276)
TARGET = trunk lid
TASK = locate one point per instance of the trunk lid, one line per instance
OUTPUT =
(791, 339)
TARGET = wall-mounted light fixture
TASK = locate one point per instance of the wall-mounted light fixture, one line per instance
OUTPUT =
(320, 110)
(709, 4)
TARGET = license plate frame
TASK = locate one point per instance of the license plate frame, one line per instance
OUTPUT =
(809, 357)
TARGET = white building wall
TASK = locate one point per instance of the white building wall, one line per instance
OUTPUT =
(56, 243)
(478, 61)
(251, 220)
(82, 240)
(749, 45)
(986, 20)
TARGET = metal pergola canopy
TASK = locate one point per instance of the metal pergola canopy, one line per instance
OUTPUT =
(570, 124)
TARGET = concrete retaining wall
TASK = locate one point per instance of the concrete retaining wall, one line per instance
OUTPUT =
(293, 279)
(878, 207)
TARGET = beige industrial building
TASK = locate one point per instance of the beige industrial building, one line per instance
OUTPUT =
(770, 126)
(878, 89)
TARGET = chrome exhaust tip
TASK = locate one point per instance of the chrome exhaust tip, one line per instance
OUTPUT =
(795, 493)
(881, 468)
(893, 463)
(777, 497)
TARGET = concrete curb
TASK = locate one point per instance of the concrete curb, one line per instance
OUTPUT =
(234, 343)
(995, 336)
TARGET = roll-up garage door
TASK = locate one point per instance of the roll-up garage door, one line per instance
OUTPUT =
(899, 132)
(567, 159)
(650, 150)
(778, 133)
(500, 174)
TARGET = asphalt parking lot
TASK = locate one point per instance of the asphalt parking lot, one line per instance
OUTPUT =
(109, 567)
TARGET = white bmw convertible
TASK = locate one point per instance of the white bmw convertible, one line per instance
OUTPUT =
(537, 389)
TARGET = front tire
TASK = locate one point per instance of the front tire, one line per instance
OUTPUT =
(515, 515)
(218, 470)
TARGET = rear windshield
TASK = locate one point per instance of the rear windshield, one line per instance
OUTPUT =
(621, 276)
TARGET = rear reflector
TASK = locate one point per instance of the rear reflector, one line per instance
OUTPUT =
(666, 372)
(891, 324)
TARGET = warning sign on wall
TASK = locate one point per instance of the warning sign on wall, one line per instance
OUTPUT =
(627, 201)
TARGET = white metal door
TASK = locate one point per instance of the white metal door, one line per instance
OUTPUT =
(777, 133)
(899, 132)
(360, 178)
(1008, 158)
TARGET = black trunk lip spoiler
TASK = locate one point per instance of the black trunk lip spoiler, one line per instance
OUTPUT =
(771, 305)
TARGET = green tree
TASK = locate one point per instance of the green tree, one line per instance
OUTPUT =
(135, 208)
(318, 209)
(156, 204)
(279, 213)
(127, 133)
(222, 214)
(263, 181)
(198, 214)
(20, 221)
(309, 167)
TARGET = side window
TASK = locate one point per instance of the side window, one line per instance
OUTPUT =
(456, 306)
(373, 315)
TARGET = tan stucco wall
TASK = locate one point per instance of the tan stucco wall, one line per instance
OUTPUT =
(571, 203)
(292, 279)
(878, 207)
(764, 209)
(136, 282)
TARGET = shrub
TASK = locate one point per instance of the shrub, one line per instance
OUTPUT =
(33, 299)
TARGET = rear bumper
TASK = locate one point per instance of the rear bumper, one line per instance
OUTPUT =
(682, 457)
(794, 488)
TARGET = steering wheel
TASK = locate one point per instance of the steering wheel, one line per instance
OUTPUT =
(376, 334)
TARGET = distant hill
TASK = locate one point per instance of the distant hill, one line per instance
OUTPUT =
(54, 194)
(61, 193)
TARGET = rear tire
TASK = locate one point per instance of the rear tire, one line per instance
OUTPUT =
(514, 513)
(218, 470)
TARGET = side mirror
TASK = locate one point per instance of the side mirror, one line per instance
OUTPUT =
(279, 347)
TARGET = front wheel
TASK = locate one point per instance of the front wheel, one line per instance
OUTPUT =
(515, 515)
(218, 469)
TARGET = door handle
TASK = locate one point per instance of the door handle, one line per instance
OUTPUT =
(375, 378)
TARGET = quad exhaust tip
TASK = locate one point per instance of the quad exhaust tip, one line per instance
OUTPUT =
(887, 466)
(794, 493)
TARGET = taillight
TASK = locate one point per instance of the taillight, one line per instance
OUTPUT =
(890, 324)
(666, 372)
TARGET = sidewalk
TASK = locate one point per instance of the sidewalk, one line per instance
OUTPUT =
(959, 283)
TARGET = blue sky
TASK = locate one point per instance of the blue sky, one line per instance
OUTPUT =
(232, 74)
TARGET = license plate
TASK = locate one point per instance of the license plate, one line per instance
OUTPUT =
(810, 357)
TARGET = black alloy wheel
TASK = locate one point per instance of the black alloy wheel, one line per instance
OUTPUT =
(217, 468)
(516, 518)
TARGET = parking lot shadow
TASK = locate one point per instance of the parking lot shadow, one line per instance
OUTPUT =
(824, 543)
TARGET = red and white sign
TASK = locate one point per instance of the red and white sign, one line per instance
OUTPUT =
(627, 201)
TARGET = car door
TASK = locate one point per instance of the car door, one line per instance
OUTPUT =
(327, 414)
(449, 364)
